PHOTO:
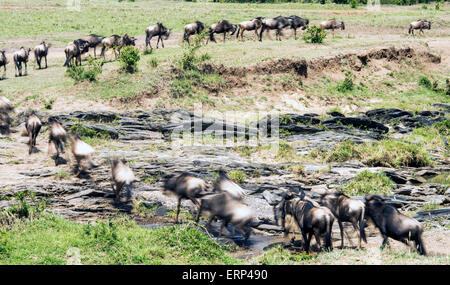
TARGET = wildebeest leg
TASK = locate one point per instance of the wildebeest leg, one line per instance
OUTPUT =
(224, 225)
(178, 209)
(317, 237)
(308, 241)
(162, 42)
(224, 35)
(46, 62)
(385, 241)
(197, 217)
(157, 43)
(118, 187)
(208, 224)
(198, 205)
(341, 228)
(26, 68)
(30, 142)
(356, 227)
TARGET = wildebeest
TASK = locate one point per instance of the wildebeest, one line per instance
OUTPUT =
(122, 175)
(116, 43)
(33, 125)
(229, 210)
(221, 27)
(277, 23)
(332, 25)
(225, 184)
(185, 186)
(346, 209)
(74, 50)
(21, 56)
(93, 41)
(192, 29)
(298, 22)
(156, 30)
(82, 152)
(419, 24)
(393, 224)
(3, 60)
(5, 105)
(57, 137)
(41, 51)
(252, 25)
(5, 121)
(310, 218)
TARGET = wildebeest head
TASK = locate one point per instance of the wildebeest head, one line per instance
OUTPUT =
(129, 41)
(200, 26)
(82, 45)
(342, 25)
(163, 31)
(233, 29)
(427, 25)
(374, 203)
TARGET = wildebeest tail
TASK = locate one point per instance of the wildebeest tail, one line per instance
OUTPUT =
(67, 60)
(362, 232)
(328, 243)
(261, 32)
(410, 29)
(237, 34)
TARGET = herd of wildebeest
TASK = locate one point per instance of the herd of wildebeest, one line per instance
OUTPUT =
(75, 49)
(225, 200)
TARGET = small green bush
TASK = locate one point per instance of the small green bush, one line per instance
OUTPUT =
(153, 62)
(346, 85)
(79, 73)
(344, 151)
(237, 176)
(367, 182)
(425, 82)
(85, 132)
(314, 34)
(129, 58)
(354, 4)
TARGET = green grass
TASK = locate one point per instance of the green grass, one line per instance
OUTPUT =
(278, 255)
(47, 240)
(237, 176)
(385, 153)
(368, 182)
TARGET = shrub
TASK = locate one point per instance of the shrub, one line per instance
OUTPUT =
(79, 73)
(367, 182)
(85, 132)
(314, 34)
(354, 4)
(237, 176)
(425, 82)
(347, 84)
(128, 58)
(153, 62)
(344, 151)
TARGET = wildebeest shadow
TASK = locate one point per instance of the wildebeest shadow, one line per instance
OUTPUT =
(35, 150)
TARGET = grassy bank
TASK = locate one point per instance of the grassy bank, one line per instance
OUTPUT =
(53, 240)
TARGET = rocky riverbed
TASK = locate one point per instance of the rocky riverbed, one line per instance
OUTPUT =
(146, 140)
